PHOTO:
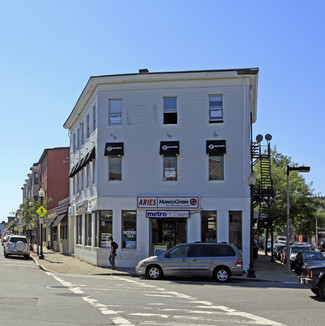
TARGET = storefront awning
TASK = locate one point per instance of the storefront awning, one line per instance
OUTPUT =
(84, 161)
(216, 147)
(169, 148)
(114, 149)
(58, 220)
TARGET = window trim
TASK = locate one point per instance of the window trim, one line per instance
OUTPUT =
(170, 111)
(212, 109)
(110, 113)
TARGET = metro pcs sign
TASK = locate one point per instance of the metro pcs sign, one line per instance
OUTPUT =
(168, 202)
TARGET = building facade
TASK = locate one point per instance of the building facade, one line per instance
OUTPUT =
(158, 159)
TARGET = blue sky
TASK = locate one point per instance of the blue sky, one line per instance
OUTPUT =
(49, 49)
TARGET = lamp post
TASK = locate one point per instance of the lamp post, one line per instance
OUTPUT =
(251, 271)
(30, 204)
(41, 195)
(289, 169)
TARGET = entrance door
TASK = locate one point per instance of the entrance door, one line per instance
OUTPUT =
(169, 231)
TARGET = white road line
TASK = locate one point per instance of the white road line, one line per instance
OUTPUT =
(228, 311)
(104, 309)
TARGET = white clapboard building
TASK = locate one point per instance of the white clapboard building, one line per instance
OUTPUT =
(160, 158)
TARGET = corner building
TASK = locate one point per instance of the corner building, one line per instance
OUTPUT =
(158, 159)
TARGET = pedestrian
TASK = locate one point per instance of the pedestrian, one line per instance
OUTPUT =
(112, 254)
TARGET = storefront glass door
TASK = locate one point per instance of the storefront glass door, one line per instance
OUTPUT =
(169, 232)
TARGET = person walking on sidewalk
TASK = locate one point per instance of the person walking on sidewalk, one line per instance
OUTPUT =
(112, 254)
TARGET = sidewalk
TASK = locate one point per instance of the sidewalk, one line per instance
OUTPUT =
(57, 263)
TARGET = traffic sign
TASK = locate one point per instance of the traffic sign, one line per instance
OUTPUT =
(41, 211)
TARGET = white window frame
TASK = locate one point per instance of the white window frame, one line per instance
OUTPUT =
(170, 111)
(115, 112)
(216, 110)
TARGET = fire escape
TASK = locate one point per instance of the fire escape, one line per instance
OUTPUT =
(263, 190)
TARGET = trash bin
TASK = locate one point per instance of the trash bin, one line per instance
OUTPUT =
(255, 252)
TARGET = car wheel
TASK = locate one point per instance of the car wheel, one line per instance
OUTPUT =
(315, 291)
(154, 272)
(222, 274)
(321, 288)
(6, 255)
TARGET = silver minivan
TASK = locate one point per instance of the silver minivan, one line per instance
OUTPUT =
(217, 260)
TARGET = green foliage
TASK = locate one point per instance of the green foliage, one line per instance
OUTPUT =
(304, 204)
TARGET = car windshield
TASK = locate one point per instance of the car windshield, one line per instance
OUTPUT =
(313, 255)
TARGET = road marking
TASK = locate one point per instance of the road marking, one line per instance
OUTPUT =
(228, 311)
(104, 309)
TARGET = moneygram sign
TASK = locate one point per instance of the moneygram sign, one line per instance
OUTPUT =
(168, 202)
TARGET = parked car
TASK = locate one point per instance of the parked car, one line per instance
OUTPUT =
(313, 276)
(16, 245)
(322, 246)
(281, 239)
(217, 260)
(278, 247)
(293, 253)
(308, 258)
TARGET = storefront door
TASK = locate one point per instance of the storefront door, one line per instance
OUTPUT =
(169, 232)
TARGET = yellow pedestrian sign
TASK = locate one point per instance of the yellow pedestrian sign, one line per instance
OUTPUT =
(41, 211)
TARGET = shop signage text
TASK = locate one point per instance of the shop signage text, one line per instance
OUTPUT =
(168, 201)
(173, 214)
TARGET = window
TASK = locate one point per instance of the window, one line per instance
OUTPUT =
(114, 168)
(36, 178)
(215, 108)
(129, 224)
(82, 133)
(208, 226)
(115, 112)
(87, 127)
(82, 183)
(178, 252)
(170, 168)
(79, 229)
(55, 233)
(88, 175)
(216, 167)
(170, 110)
(105, 228)
(78, 139)
(94, 170)
(94, 118)
(74, 146)
(88, 230)
(235, 229)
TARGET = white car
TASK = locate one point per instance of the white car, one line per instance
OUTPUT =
(16, 245)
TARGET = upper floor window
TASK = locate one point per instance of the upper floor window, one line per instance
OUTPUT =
(170, 110)
(36, 179)
(170, 152)
(94, 118)
(82, 133)
(216, 150)
(215, 108)
(78, 139)
(87, 127)
(115, 112)
(114, 168)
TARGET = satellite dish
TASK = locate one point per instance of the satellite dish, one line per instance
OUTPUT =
(268, 137)
(259, 138)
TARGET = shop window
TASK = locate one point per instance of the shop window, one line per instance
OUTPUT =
(55, 233)
(115, 112)
(209, 226)
(170, 168)
(129, 231)
(216, 167)
(88, 230)
(215, 108)
(105, 228)
(170, 110)
(79, 229)
(114, 168)
(235, 229)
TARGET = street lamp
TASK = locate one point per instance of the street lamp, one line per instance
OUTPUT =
(251, 272)
(41, 195)
(289, 169)
(30, 204)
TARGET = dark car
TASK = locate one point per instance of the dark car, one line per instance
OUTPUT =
(313, 276)
(278, 247)
(293, 253)
(308, 258)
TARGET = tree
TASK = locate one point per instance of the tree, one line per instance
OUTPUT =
(304, 203)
